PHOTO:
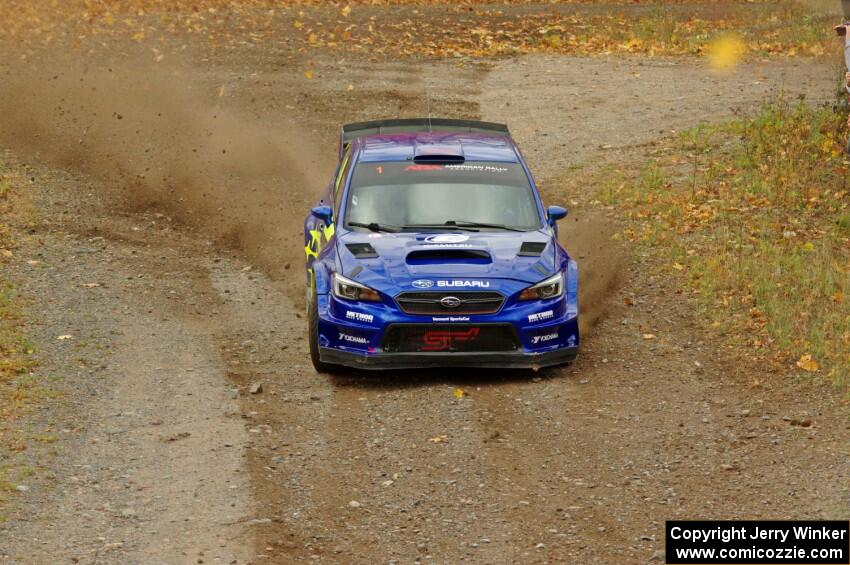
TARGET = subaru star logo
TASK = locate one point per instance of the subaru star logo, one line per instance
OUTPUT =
(423, 284)
(446, 238)
(450, 301)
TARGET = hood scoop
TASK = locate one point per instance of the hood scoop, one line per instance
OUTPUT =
(531, 249)
(362, 250)
(436, 256)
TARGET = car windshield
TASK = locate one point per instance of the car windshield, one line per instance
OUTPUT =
(403, 195)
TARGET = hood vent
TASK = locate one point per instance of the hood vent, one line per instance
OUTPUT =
(362, 250)
(531, 249)
(432, 256)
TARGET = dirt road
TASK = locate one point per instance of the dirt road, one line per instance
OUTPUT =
(182, 200)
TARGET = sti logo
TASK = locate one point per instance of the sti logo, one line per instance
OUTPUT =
(443, 340)
(463, 284)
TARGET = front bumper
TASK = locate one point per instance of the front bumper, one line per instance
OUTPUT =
(365, 336)
(502, 360)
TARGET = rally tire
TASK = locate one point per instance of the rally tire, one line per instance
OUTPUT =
(313, 337)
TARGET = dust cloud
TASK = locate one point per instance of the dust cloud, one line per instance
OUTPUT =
(159, 137)
(587, 236)
(156, 138)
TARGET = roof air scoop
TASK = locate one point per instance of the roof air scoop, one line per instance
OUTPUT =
(438, 151)
(438, 159)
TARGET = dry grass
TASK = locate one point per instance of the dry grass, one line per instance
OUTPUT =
(16, 351)
(755, 216)
(409, 27)
(649, 29)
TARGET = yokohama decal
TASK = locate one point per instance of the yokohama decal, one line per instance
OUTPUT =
(443, 340)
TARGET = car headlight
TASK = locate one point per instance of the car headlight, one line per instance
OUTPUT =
(349, 290)
(553, 287)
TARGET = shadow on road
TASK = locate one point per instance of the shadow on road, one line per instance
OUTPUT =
(418, 378)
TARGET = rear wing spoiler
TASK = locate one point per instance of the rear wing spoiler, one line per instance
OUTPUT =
(414, 125)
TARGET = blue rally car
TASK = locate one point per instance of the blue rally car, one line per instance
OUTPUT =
(431, 247)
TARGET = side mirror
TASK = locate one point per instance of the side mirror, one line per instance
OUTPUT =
(324, 213)
(556, 213)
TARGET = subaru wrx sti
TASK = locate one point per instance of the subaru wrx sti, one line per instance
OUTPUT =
(431, 247)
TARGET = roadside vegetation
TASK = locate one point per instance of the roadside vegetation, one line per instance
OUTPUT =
(16, 351)
(384, 28)
(689, 28)
(754, 216)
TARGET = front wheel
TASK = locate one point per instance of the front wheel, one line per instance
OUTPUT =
(313, 337)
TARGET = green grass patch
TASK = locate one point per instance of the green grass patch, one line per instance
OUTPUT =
(754, 215)
(16, 350)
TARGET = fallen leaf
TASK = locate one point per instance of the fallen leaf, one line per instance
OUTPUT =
(346, 10)
(63, 337)
(459, 393)
(648, 336)
(725, 52)
(678, 266)
(309, 74)
(808, 363)
(90, 285)
(438, 439)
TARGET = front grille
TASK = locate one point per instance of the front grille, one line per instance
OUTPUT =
(435, 338)
(470, 302)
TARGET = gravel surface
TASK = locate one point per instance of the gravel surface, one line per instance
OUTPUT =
(192, 427)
